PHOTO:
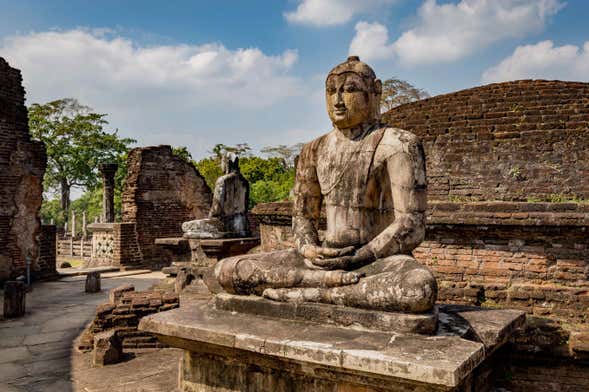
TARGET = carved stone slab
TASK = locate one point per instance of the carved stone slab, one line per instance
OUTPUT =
(443, 362)
(342, 316)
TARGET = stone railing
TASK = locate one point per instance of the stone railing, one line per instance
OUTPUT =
(114, 244)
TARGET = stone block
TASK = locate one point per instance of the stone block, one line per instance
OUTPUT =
(93, 282)
(107, 348)
(14, 299)
(424, 323)
(117, 293)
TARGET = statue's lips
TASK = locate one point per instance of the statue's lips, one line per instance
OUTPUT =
(340, 112)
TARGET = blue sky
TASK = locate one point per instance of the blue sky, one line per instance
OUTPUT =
(197, 73)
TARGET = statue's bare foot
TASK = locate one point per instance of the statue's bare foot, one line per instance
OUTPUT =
(315, 278)
(293, 295)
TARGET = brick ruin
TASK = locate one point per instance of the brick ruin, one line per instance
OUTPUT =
(22, 166)
(520, 141)
(508, 218)
(122, 314)
(161, 192)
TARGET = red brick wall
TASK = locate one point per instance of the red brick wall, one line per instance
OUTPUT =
(161, 192)
(126, 249)
(22, 165)
(506, 141)
(530, 256)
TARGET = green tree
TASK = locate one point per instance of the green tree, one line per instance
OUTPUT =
(220, 150)
(286, 153)
(397, 92)
(76, 143)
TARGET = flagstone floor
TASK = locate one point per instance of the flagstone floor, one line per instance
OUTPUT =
(37, 351)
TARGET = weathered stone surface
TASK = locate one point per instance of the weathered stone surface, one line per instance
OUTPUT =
(93, 282)
(228, 214)
(340, 316)
(442, 361)
(183, 278)
(114, 296)
(22, 166)
(371, 179)
(161, 191)
(107, 348)
(15, 294)
(487, 253)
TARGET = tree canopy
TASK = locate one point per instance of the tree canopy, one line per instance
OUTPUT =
(76, 143)
(397, 92)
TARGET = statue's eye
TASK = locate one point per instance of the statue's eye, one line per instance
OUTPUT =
(331, 90)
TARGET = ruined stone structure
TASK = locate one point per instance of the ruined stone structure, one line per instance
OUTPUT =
(502, 161)
(22, 166)
(524, 141)
(122, 314)
(161, 192)
(342, 309)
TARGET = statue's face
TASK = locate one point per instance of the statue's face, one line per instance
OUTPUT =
(349, 100)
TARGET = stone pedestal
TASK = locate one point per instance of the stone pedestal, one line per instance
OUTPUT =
(93, 282)
(14, 299)
(232, 351)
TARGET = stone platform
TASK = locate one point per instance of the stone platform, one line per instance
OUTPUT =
(233, 351)
(341, 316)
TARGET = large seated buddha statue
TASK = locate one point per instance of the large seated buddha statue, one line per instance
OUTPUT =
(371, 179)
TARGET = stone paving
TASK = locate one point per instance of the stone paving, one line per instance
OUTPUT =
(37, 351)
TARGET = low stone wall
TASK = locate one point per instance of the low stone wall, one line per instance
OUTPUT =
(123, 313)
(529, 256)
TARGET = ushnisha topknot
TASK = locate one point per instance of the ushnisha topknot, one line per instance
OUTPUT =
(353, 64)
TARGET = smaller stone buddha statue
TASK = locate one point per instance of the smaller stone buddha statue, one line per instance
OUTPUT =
(228, 215)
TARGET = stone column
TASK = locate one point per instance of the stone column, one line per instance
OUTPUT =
(108, 171)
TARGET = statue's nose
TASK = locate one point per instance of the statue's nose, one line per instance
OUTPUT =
(339, 101)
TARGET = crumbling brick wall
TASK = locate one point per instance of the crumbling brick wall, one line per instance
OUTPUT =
(523, 140)
(161, 192)
(123, 312)
(22, 166)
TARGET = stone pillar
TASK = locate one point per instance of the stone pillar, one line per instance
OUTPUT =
(84, 226)
(14, 299)
(108, 171)
(73, 224)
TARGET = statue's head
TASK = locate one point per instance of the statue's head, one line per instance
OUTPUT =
(352, 92)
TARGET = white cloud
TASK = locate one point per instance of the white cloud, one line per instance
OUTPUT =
(542, 61)
(93, 62)
(331, 12)
(450, 31)
(191, 95)
(370, 42)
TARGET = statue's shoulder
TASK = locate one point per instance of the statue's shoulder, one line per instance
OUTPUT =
(396, 140)
(309, 150)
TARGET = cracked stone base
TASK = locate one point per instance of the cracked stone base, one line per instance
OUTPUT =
(342, 316)
(231, 351)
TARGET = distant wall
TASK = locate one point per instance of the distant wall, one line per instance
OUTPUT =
(22, 166)
(524, 140)
(161, 192)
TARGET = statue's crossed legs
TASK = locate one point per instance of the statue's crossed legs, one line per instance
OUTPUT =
(395, 283)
